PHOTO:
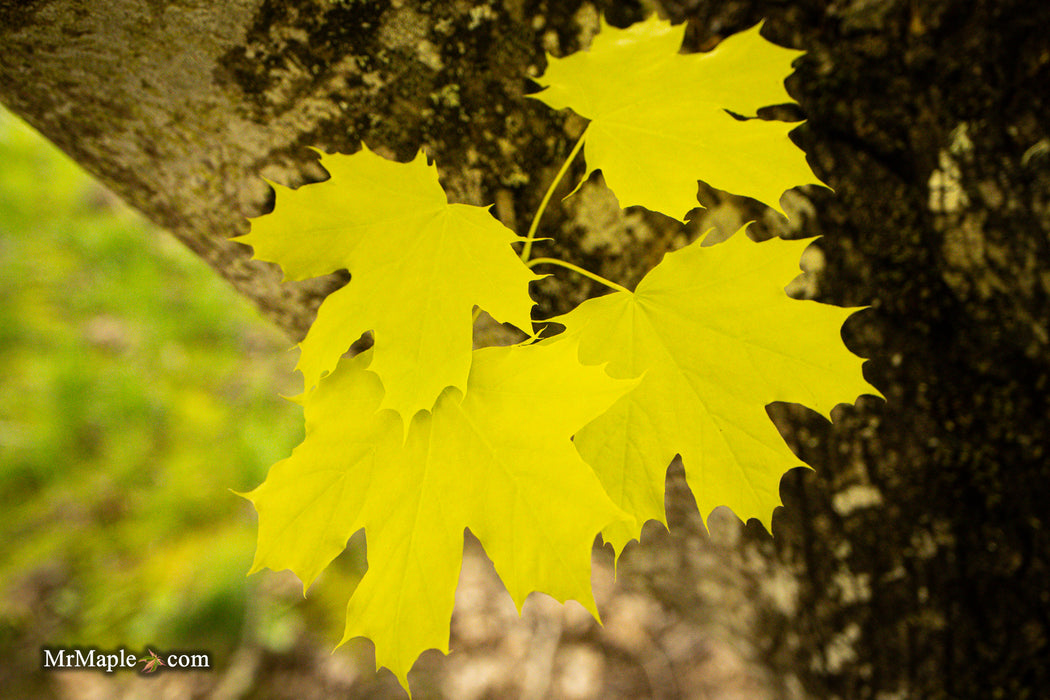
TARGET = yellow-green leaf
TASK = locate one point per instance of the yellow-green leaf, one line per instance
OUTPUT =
(498, 460)
(418, 267)
(715, 339)
(660, 119)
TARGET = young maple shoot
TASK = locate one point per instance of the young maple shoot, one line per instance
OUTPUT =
(539, 447)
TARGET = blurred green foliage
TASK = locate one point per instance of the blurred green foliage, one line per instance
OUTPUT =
(136, 389)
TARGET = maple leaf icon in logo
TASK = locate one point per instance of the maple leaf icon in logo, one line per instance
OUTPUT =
(152, 662)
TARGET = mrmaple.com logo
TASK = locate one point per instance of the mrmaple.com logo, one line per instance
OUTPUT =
(109, 661)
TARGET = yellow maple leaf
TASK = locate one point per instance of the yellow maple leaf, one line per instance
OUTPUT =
(660, 120)
(715, 339)
(498, 460)
(418, 267)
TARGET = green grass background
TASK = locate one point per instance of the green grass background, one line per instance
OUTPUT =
(136, 390)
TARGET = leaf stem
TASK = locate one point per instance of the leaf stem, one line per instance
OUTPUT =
(531, 235)
(576, 268)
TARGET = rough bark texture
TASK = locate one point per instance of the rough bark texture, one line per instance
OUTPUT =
(915, 561)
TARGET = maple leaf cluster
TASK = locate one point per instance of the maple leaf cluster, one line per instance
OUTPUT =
(537, 448)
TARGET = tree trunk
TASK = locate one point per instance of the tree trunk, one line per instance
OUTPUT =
(915, 561)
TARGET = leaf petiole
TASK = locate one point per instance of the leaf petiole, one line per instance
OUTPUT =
(535, 224)
(569, 266)
(531, 235)
(576, 268)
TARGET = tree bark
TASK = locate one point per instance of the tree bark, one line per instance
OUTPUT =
(914, 562)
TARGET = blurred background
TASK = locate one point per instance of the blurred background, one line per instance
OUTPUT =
(136, 391)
